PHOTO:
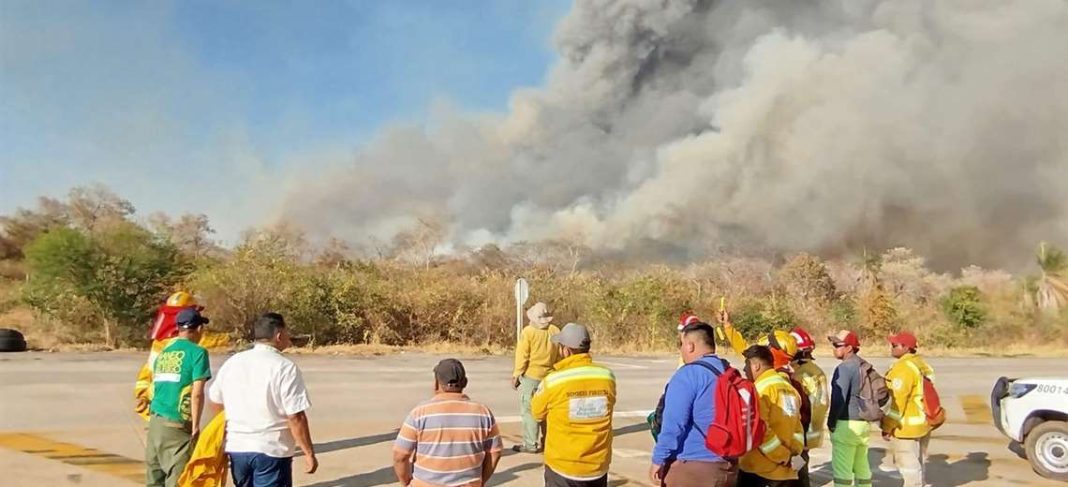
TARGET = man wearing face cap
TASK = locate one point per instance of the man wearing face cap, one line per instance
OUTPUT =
(534, 357)
(454, 441)
(178, 377)
(576, 400)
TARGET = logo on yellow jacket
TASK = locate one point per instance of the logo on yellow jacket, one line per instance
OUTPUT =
(576, 401)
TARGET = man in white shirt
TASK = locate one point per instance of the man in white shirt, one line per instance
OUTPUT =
(264, 397)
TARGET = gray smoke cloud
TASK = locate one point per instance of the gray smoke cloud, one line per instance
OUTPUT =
(690, 125)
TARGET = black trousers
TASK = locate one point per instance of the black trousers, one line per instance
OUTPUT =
(553, 479)
(802, 475)
(746, 479)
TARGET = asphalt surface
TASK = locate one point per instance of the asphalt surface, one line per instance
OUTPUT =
(66, 419)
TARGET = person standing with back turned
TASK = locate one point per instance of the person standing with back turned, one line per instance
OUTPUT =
(534, 358)
(179, 373)
(576, 399)
(265, 401)
(680, 457)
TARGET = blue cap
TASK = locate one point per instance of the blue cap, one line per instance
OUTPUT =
(190, 318)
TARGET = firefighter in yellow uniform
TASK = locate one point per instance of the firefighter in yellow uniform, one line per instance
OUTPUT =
(794, 364)
(576, 400)
(776, 461)
(905, 424)
(782, 344)
(813, 381)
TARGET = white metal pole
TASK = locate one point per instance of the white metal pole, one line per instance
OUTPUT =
(518, 320)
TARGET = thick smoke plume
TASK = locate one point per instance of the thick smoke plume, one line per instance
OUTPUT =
(686, 126)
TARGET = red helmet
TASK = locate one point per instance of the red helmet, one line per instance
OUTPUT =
(804, 340)
(687, 318)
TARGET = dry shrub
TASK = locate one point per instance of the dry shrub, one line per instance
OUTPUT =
(905, 277)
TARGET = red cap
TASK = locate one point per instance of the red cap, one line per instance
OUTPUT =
(845, 337)
(904, 338)
(804, 340)
(687, 318)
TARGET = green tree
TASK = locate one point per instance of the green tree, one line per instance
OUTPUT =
(122, 271)
(964, 306)
(258, 277)
(1051, 289)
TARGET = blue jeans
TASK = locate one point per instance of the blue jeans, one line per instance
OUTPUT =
(259, 470)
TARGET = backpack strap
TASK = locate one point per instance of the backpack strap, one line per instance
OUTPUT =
(715, 372)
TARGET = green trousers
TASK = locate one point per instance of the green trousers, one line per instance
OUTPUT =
(849, 453)
(531, 427)
(166, 452)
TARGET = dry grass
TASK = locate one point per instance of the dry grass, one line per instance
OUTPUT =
(367, 350)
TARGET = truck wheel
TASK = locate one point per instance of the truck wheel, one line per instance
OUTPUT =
(1047, 449)
(11, 341)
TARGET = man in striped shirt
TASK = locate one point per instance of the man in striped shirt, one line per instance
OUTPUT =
(449, 440)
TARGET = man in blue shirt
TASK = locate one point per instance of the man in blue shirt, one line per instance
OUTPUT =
(680, 457)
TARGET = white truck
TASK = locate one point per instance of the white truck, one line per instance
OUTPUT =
(1034, 412)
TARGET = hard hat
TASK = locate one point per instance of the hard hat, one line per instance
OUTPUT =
(181, 299)
(687, 318)
(804, 340)
(783, 347)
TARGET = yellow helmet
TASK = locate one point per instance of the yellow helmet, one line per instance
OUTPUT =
(783, 346)
(181, 299)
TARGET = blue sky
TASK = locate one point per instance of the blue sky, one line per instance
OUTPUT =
(192, 106)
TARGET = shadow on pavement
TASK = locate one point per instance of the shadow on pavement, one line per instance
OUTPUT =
(504, 476)
(824, 475)
(337, 445)
(385, 475)
(382, 476)
(1018, 449)
(626, 430)
(975, 467)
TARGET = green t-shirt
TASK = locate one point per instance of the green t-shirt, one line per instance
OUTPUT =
(181, 363)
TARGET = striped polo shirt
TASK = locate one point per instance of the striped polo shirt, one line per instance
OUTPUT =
(450, 436)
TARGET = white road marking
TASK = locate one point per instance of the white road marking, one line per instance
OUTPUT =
(621, 365)
(630, 453)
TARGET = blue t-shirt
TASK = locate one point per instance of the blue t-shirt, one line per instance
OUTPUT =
(688, 412)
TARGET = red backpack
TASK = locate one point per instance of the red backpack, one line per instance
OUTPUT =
(736, 428)
(932, 404)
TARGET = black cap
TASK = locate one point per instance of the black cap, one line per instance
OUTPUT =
(451, 372)
(190, 318)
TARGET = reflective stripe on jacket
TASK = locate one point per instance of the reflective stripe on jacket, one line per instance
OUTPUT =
(576, 400)
(814, 381)
(906, 417)
(780, 409)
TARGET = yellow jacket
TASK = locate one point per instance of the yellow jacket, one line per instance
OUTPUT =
(906, 417)
(535, 355)
(143, 387)
(814, 382)
(576, 400)
(735, 338)
(207, 464)
(780, 408)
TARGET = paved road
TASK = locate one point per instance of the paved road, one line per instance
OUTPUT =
(71, 412)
